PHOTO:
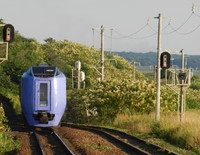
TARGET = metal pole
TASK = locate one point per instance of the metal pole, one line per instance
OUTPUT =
(183, 60)
(158, 68)
(6, 51)
(79, 79)
(102, 52)
(72, 79)
(181, 104)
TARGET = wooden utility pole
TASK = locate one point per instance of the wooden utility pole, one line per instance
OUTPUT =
(134, 68)
(155, 77)
(102, 53)
(102, 50)
(157, 117)
(182, 111)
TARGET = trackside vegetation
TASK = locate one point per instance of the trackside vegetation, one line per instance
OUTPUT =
(7, 144)
(117, 101)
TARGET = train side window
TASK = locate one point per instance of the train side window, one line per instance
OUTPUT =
(43, 94)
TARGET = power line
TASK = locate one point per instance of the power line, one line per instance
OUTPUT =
(129, 36)
(185, 33)
(147, 25)
(176, 30)
(153, 34)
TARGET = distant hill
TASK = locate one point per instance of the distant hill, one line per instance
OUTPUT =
(150, 58)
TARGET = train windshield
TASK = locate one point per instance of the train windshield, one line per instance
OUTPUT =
(43, 94)
(44, 71)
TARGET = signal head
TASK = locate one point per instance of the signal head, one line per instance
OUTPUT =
(8, 33)
(165, 60)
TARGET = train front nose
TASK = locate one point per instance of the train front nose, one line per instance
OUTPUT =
(43, 117)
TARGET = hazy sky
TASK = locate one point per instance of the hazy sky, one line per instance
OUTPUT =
(74, 19)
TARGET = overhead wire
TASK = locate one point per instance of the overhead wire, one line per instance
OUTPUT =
(136, 32)
(183, 33)
(130, 36)
(94, 44)
(176, 29)
(186, 33)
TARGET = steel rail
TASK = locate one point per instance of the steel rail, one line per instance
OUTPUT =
(68, 150)
(126, 147)
(147, 148)
(38, 143)
(137, 141)
(54, 137)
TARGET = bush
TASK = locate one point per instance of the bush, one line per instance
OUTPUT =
(195, 83)
(6, 143)
(192, 99)
(110, 98)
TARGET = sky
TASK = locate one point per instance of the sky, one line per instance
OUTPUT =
(133, 25)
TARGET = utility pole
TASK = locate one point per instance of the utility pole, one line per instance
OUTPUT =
(181, 89)
(102, 53)
(102, 50)
(155, 77)
(134, 68)
(157, 117)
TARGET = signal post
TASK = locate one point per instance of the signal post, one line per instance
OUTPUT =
(8, 37)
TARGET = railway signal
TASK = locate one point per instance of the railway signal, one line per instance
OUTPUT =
(8, 33)
(82, 76)
(165, 60)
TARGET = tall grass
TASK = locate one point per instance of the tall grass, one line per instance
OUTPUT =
(185, 135)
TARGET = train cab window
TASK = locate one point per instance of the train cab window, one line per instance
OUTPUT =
(43, 94)
(44, 71)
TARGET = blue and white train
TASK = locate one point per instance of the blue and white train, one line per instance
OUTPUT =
(43, 95)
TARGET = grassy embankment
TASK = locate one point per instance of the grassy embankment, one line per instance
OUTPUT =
(184, 135)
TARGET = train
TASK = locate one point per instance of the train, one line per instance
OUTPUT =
(43, 95)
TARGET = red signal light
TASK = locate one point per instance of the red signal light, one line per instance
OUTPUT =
(165, 60)
(8, 33)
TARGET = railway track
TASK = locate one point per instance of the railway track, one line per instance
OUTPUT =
(44, 141)
(47, 141)
(129, 144)
(50, 143)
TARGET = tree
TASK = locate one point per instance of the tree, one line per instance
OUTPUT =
(49, 40)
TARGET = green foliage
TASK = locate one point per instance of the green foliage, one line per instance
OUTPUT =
(195, 83)
(76, 107)
(193, 100)
(22, 55)
(6, 143)
(110, 98)
(113, 98)
(50, 40)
